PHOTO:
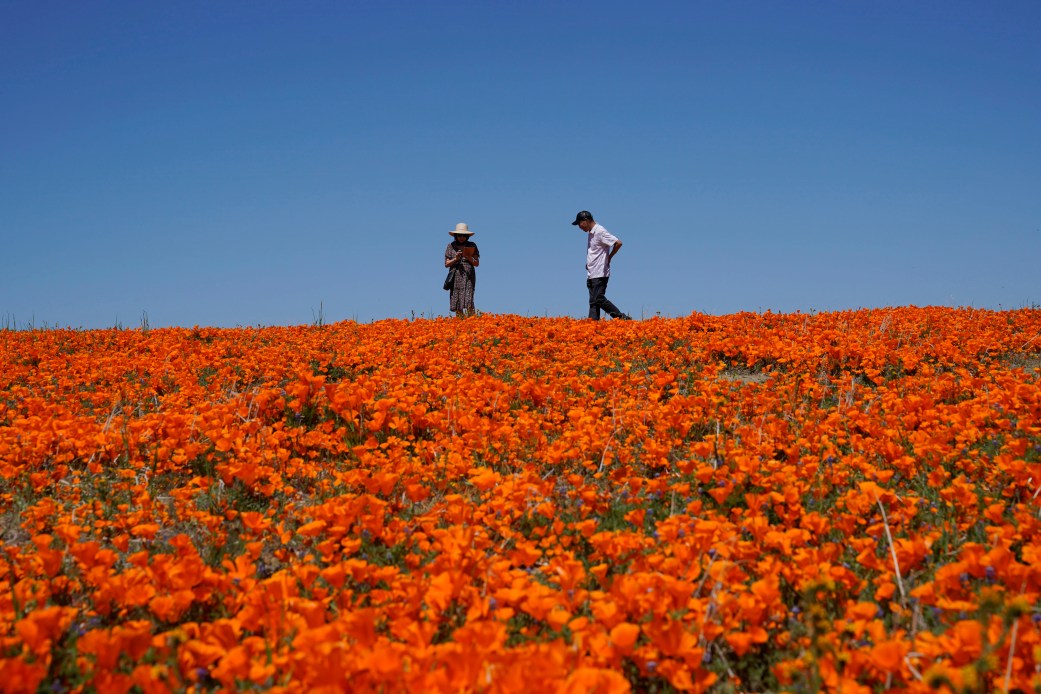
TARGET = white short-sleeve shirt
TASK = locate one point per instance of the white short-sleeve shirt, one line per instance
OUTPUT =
(598, 251)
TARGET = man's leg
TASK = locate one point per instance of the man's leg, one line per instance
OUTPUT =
(605, 303)
(596, 294)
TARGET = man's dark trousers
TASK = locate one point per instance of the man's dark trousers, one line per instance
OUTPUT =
(597, 288)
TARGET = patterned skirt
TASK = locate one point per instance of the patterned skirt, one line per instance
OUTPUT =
(461, 296)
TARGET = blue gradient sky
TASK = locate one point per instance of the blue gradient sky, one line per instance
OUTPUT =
(243, 163)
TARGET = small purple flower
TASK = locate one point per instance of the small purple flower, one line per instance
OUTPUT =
(263, 571)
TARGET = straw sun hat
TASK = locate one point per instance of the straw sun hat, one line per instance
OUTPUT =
(460, 228)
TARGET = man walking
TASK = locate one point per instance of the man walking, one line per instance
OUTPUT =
(601, 246)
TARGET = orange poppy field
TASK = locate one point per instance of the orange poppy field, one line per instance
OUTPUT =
(844, 502)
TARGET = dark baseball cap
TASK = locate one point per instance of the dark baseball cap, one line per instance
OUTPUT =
(582, 216)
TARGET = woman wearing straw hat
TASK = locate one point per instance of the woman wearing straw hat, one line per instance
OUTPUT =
(462, 257)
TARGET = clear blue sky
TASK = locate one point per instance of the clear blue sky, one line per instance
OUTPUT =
(243, 163)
